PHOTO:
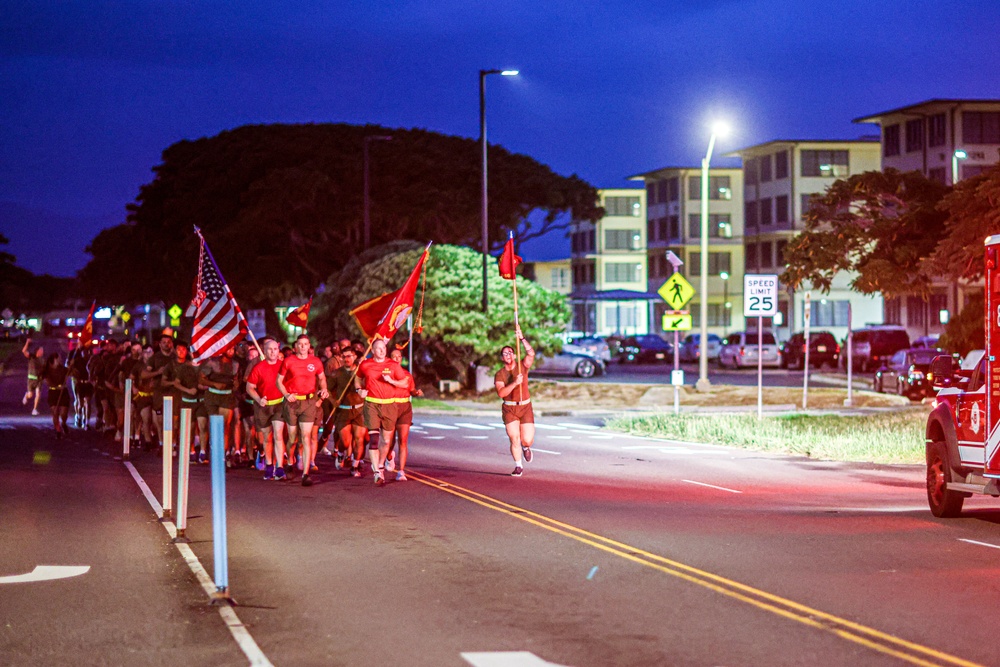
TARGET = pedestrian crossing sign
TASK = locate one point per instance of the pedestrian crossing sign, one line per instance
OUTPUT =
(676, 320)
(676, 291)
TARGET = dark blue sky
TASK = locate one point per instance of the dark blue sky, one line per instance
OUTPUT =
(91, 92)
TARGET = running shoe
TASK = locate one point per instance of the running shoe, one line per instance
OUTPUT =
(517, 472)
(306, 481)
(526, 451)
(379, 479)
(355, 472)
(338, 463)
(400, 476)
(390, 464)
(202, 459)
(313, 468)
(269, 472)
(261, 464)
(326, 450)
(34, 413)
(279, 473)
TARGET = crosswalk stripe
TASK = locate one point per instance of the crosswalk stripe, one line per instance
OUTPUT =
(444, 427)
(550, 427)
(478, 427)
(476, 437)
(588, 427)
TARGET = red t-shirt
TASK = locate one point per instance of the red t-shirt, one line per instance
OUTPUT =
(264, 378)
(371, 372)
(299, 375)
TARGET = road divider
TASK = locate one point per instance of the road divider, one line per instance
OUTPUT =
(216, 428)
(168, 449)
(183, 470)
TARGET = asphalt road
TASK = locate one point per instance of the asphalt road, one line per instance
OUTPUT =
(611, 550)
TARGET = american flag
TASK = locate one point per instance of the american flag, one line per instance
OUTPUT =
(218, 322)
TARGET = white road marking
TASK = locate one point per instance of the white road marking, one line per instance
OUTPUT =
(475, 437)
(549, 427)
(444, 427)
(595, 436)
(560, 437)
(46, 573)
(478, 427)
(711, 486)
(545, 451)
(239, 632)
(503, 426)
(434, 437)
(506, 659)
(982, 544)
(585, 426)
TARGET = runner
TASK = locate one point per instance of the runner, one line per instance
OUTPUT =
(143, 401)
(54, 374)
(378, 380)
(100, 365)
(349, 421)
(83, 388)
(405, 419)
(36, 365)
(300, 375)
(518, 417)
(162, 358)
(181, 378)
(262, 387)
(120, 372)
(219, 376)
(247, 357)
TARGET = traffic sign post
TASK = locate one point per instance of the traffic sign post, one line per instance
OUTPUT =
(676, 291)
(807, 312)
(760, 300)
(676, 320)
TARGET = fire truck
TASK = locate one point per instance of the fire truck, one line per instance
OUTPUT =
(963, 429)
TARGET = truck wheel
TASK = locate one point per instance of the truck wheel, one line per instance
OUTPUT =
(944, 503)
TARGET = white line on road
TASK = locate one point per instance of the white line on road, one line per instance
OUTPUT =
(46, 573)
(982, 544)
(595, 436)
(444, 427)
(586, 426)
(475, 437)
(503, 426)
(560, 437)
(545, 451)
(711, 486)
(549, 427)
(506, 659)
(242, 636)
(478, 427)
(433, 437)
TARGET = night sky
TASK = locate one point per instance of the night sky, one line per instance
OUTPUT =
(92, 92)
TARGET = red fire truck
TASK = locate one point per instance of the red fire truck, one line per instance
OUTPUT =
(963, 429)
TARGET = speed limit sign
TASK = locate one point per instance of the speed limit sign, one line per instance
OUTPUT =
(760, 295)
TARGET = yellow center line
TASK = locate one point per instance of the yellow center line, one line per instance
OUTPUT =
(849, 630)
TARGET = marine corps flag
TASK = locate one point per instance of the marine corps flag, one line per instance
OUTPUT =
(382, 316)
(509, 261)
(300, 316)
(87, 332)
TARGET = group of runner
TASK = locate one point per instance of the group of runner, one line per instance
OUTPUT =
(279, 411)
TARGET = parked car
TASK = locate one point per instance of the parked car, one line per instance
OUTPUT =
(649, 348)
(740, 350)
(573, 360)
(691, 347)
(621, 352)
(905, 373)
(595, 344)
(927, 342)
(823, 349)
(874, 345)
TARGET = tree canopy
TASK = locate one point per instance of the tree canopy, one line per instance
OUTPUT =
(881, 225)
(973, 213)
(281, 207)
(456, 333)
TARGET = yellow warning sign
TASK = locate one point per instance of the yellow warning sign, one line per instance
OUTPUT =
(677, 320)
(676, 291)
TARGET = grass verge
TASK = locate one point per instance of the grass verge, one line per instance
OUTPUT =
(432, 403)
(890, 437)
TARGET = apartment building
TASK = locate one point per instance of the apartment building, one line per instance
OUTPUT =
(779, 179)
(947, 140)
(673, 222)
(608, 267)
(550, 274)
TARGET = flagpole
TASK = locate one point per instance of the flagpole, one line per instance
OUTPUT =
(517, 327)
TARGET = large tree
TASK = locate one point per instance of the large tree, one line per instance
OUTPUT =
(883, 226)
(456, 333)
(973, 213)
(282, 206)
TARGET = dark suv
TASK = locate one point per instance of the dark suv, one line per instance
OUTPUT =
(823, 349)
(875, 345)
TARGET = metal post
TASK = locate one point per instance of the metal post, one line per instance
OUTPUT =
(183, 468)
(168, 448)
(760, 367)
(677, 367)
(703, 383)
(850, 354)
(127, 432)
(807, 312)
(484, 213)
(217, 437)
(409, 325)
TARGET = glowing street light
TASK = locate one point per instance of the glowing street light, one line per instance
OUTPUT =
(719, 129)
(955, 157)
(483, 73)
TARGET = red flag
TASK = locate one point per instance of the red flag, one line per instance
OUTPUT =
(382, 316)
(218, 321)
(87, 332)
(509, 261)
(300, 316)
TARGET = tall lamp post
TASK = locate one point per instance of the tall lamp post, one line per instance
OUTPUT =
(483, 73)
(725, 303)
(367, 232)
(955, 157)
(718, 129)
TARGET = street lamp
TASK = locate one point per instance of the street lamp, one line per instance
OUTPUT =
(367, 234)
(955, 157)
(725, 303)
(483, 73)
(718, 129)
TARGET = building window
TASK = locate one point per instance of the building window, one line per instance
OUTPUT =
(766, 212)
(971, 170)
(623, 206)
(560, 278)
(673, 189)
(663, 229)
(893, 311)
(781, 165)
(750, 171)
(825, 163)
(585, 317)
(718, 187)
(651, 193)
(828, 313)
(781, 209)
(750, 213)
(751, 260)
(890, 140)
(981, 127)
(622, 239)
(939, 174)
(765, 254)
(720, 226)
(675, 227)
(652, 233)
(914, 135)
(936, 130)
(620, 317)
(661, 191)
(765, 169)
(939, 302)
(622, 272)
(807, 203)
(915, 311)
(718, 316)
(779, 252)
(717, 263)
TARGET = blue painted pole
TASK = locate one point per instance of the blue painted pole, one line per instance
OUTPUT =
(217, 437)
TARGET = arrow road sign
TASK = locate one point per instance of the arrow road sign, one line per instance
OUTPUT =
(679, 320)
(676, 291)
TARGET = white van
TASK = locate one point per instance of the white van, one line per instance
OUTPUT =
(739, 350)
